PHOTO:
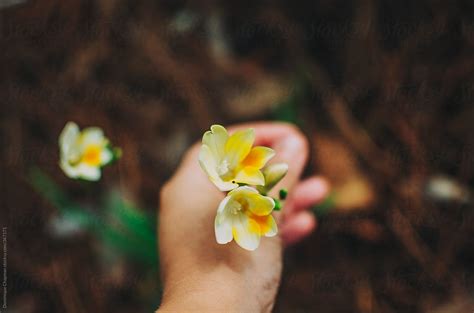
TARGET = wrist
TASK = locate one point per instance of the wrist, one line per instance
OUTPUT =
(211, 292)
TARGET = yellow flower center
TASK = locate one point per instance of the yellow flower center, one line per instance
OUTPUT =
(239, 205)
(91, 155)
(223, 168)
(235, 207)
(224, 171)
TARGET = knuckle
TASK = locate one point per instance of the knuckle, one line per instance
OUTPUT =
(301, 138)
(295, 131)
(192, 152)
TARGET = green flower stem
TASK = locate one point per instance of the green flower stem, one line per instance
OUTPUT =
(123, 227)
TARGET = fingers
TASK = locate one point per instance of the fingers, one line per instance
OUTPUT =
(293, 150)
(298, 227)
(298, 222)
(267, 133)
(306, 194)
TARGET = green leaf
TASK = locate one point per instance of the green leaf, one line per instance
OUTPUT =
(138, 227)
(124, 228)
(55, 195)
(48, 189)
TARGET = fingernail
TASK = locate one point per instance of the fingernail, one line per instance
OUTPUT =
(322, 185)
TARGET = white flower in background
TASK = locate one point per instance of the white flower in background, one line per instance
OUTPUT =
(245, 216)
(230, 160)
(83, 153)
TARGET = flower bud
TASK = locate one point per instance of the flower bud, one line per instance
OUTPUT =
(283, 193)
(273, 174)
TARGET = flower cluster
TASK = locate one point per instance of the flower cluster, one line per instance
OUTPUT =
(233, 164)
(84, 153)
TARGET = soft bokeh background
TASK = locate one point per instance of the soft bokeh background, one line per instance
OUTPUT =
(384, 90)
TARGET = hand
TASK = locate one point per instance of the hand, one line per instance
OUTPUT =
(201, 275)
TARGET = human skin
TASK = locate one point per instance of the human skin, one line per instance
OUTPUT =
(200, 275)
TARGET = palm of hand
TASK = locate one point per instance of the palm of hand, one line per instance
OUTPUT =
(190, 257)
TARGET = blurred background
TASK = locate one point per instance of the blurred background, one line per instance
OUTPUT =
(384, 90)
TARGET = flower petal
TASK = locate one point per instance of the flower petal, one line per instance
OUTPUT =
(260, 205)
(267, 225)
(68, 141)
(105, 156)
(250, 175)
(81, 170)
(69, 134)
(238, 146)
(258, 157)
(207, 161)
(208, 164)
(224, 203)
(223, 228)
(70, 171)
(93, 136)
(224, 185)
(243, 191)
(87, 172)
(246, 232)
(272, 227)
(216, 140)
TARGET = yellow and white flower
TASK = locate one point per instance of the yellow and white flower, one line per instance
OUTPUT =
(245, 216)
(83, 153)
(230, 160)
